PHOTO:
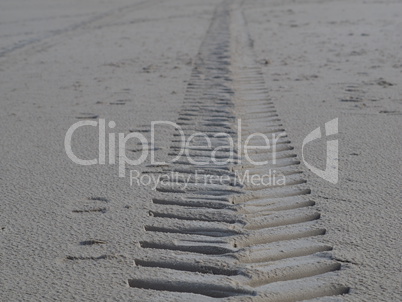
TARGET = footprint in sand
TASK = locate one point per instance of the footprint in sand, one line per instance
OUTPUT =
(92, 205)
(87, 116)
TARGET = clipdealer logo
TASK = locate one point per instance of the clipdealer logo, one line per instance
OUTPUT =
(239, 147)
(186, 145)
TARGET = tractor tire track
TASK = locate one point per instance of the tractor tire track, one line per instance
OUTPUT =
(234, 241)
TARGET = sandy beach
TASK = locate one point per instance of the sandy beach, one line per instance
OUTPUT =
(172, 150)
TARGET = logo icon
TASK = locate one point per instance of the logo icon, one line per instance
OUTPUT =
(331, 169)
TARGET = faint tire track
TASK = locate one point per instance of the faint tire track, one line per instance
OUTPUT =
(73, 27)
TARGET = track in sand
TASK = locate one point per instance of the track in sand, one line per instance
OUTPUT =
(234, 241)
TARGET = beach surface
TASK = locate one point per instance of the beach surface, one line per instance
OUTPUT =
(72, 232)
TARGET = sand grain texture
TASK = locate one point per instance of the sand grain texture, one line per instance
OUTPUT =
(81, 233)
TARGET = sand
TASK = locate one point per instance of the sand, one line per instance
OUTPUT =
(77, 233)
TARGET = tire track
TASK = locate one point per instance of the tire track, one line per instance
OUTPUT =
(73, 27)
(234, 241)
